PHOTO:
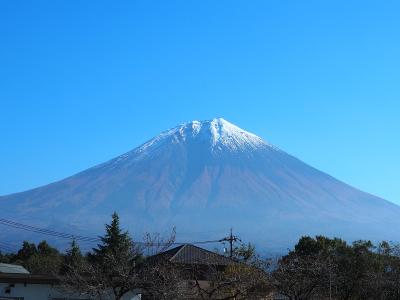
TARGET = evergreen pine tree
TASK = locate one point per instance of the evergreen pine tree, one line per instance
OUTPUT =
(115, 244)
(116, 266)
(27, 250)
(44, 249)
(114, 260)
(46, 260)
(73, 258)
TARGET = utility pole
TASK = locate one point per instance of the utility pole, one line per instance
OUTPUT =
(231, 239)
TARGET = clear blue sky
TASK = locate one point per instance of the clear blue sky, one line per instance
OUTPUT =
(84, 81)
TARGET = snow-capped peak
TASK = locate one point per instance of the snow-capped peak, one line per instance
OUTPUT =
(219, 133)
(231, 136)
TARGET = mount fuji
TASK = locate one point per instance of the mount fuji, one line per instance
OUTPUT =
(205, 177)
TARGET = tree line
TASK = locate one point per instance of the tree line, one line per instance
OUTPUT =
(317, 268)
(324, 268)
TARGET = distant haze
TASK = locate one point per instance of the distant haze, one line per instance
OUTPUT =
(204, 177)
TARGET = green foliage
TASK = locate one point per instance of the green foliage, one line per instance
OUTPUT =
(320, 245)
(245, 252)
(40, 259)
(6, 257)
(116, 246)
(27, 250)
(114, 263)
(46, 260)
(72, 259)
(321, 267)
(317, 268)
(44, 249)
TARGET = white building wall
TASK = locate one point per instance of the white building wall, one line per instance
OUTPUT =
(42, 292)
(30, 291)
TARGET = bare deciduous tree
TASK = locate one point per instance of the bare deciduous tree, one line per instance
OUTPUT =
(298, 277)
(117, 267)
(237, 280)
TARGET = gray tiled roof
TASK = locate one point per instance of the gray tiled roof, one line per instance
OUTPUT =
(190, 254)
(13, 269)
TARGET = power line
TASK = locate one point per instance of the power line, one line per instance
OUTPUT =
(197, 243)
(81, 238)
(7, 247)
(48, 232)
(202, 232)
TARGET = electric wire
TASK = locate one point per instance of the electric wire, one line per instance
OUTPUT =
(7, 247)
(80, 238)
(47, 231)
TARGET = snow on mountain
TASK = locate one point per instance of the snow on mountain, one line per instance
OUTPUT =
(204, 176)
(218, 134)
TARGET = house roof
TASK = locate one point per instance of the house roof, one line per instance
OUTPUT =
(18, 274)
(13, 269)
(190, 255)
(27, 278)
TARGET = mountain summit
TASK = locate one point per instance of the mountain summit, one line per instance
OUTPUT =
(216, 135)
(207, 176)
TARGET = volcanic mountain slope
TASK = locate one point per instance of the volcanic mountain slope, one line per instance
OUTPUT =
(205, 176)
